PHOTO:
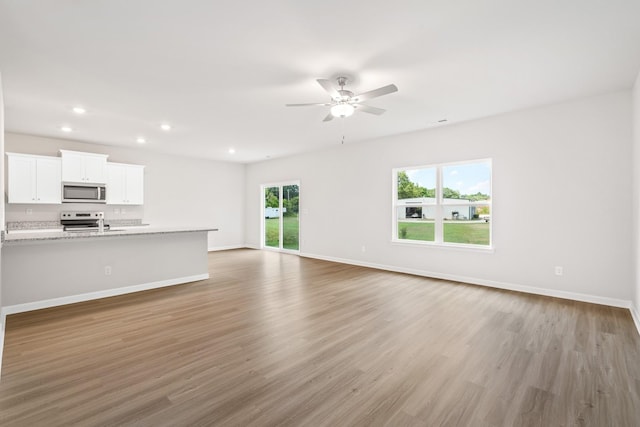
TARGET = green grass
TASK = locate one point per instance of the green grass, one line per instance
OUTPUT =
(290, 233)
(474, 233)
(416, 231)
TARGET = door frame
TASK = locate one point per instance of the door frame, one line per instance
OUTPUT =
(279, 184)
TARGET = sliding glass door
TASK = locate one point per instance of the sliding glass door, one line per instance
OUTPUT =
(281, 209)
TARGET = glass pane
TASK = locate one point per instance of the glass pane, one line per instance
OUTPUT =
(469, 182)
(272, 217)
(416, 223)
(467, 224)
(290, 217)
(417, 186)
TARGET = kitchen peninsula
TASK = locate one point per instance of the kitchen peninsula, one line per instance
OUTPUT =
(46, 269)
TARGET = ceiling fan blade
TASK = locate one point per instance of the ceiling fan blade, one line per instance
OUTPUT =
(328, 86)
(369, 109)
(328, 118)
(304, 105)
(375, 93)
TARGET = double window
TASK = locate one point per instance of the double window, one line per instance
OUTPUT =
(448, 204)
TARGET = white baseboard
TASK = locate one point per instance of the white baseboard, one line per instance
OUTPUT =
(37, 305)
(225, 248)
(636, 317)
(614, 302)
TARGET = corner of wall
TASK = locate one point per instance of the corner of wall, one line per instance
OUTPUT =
(635, 120)
(2, 316)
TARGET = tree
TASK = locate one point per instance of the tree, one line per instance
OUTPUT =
(271, 198)
(411, 190)
(292, 206)
(448, 193)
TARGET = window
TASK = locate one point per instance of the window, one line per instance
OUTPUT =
(448, 204)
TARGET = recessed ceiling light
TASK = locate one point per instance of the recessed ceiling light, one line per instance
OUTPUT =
(165, 126)
(141, 140)
(66, 129)
(79, 110)
(232, 151)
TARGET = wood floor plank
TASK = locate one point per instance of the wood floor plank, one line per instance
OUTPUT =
(278, 340)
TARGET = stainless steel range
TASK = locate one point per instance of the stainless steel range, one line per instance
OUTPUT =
(83, 221)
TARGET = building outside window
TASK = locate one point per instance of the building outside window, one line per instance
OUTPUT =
(447, 204)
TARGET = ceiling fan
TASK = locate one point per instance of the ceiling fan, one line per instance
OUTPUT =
(344, 102)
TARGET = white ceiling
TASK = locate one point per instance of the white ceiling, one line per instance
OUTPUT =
(221, 72)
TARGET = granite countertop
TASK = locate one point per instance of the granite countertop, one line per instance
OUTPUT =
(52, 235)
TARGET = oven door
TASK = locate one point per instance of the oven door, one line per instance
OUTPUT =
(78, 193)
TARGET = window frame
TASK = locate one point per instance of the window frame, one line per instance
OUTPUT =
(439, 207)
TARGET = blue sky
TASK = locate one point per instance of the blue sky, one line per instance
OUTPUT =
(465, 178)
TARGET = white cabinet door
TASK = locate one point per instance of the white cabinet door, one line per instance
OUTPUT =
(115, 184)
(72, 167)
(34, 179)
(84, 167)
(125, 184)
(95, 169)
(49, 180)
(135, 185)
(21, 179)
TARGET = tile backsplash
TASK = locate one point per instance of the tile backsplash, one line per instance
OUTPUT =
(51, 213)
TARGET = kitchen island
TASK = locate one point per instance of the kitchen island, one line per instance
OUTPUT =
(50, 268)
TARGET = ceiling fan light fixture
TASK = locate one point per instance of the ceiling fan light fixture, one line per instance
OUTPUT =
(342, 110)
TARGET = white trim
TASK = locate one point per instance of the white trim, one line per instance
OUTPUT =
(635, 316)
(37, 305)
(455, 246)
(225, 248)
(613, 302)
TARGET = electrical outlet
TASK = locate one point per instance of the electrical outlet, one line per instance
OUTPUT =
(364, 248)
(559, 270)
(29, 211)
(116, 211)
(123, 211)
(107, 270)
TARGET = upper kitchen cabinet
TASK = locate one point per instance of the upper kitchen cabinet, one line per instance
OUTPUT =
(34, 179)
(125, 184)
(84, 167)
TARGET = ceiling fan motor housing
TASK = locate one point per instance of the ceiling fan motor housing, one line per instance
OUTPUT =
(345, 95)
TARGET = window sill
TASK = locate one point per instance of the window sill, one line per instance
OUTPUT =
(448, 246)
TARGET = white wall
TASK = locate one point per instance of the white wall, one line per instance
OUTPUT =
(1, 206)
(546, 161)
(178, 190)
(636, 198)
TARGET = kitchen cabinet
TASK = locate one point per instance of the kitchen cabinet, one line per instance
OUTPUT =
(34, 179)
(125, 184)
(84, 167)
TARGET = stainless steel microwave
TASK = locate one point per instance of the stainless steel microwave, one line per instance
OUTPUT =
(84, 193)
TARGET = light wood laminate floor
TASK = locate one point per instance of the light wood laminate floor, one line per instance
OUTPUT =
(277, 340)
